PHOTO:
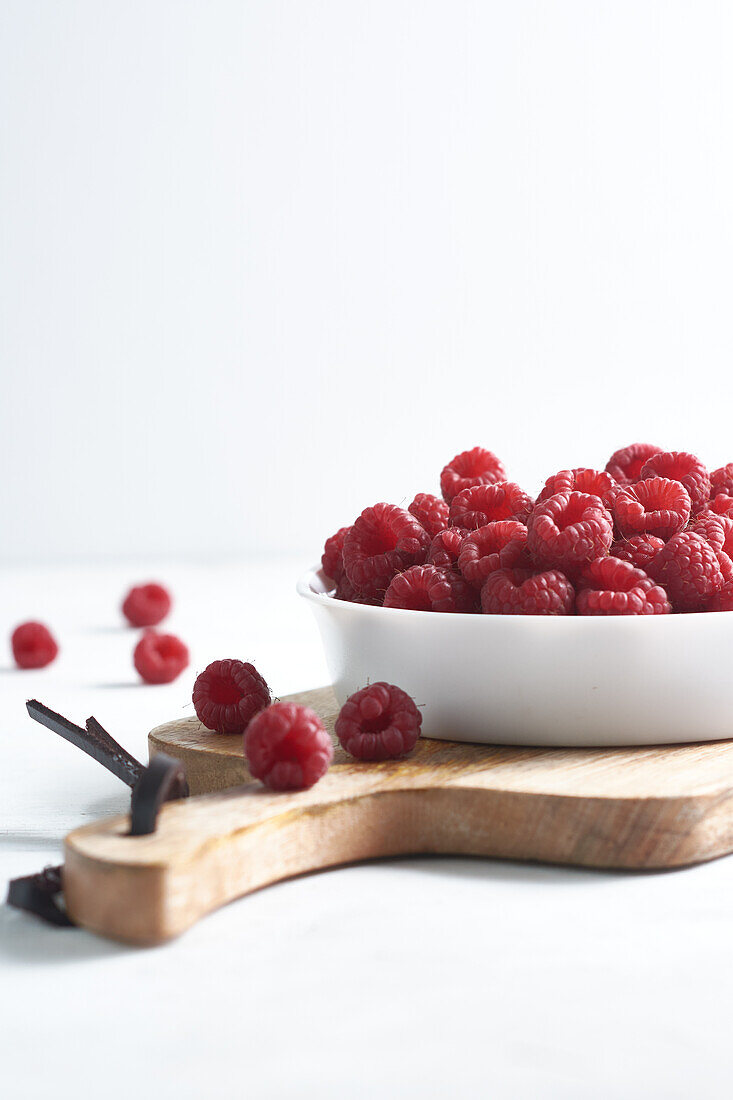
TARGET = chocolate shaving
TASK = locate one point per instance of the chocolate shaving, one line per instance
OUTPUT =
(163, 780)
(39, 894)
(94, 741)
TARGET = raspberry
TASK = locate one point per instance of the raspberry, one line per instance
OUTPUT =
(481, 549)
(160, 658)
(431, 512)
(596, 482)
(287, 747)
(685, 468)
(33, 645)
(518, 592)
(721, 504)
(639, 549)
(380, 722)
(569, 530)
(688, 567)
(146, 605)
(657, 506)
(227, 694)
(475, 467)
(475, 507)
(625, 465)
(721, 480)
(345, 591)
(427, 588)
(445, 548)
(383, 541)
(722, 600)
(712, 527)
(610, 586)
(726, 566)
(332, 560)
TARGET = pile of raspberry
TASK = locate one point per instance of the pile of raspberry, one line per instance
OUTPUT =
(650, 534)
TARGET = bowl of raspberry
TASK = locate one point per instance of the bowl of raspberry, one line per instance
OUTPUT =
(594, 614)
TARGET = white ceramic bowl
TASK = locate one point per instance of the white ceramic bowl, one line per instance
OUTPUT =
(538, 680)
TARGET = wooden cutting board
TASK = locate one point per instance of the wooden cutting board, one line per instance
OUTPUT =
(641, 809)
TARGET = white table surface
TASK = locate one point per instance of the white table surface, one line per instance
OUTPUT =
(408, 978)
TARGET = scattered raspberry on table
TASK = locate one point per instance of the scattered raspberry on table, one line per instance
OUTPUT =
(228, 694)
(160, 658)
(287, 747)
(33, 645)
(379, 722)
(146, 604)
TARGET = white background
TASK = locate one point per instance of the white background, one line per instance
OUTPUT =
(263, 264)
(266, 263)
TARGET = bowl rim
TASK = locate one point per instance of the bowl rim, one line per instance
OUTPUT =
(304, 588)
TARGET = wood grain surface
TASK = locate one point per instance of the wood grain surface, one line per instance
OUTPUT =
(640, 809)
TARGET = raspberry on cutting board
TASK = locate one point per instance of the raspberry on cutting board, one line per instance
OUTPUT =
(228, 694)
(379, 722)
(287, 747)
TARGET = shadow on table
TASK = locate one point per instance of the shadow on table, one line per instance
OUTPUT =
(26, 939)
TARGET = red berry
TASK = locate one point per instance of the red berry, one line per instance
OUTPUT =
(332, 559)
(481, 549)
(481, 504)
(33, 645)
(657, 506)
(639, 549)
(160, 658)
(596, 482)
(427, 588)
(146, 604)
(345, 591)
(689, 568)
(569, 530)
(227, 694)
(685, 468)
(445, 548)
(431, 512)
(721, 504)
(287, 747)
(625, 465)
(383, 541)
(517, 592)
(721, 481)
(475, 467)
(712, 527)
(380, 722)
(610, 586)
(722, 600)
